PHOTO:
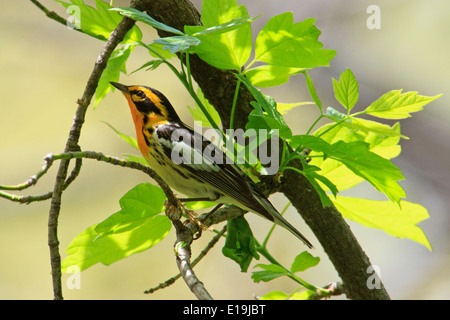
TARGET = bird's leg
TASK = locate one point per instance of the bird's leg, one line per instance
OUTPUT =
(173, 212)
(198, 235)
(190, 214)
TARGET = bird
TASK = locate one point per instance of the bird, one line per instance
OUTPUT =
(164, 140)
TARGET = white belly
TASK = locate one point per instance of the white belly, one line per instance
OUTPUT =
(181, 180)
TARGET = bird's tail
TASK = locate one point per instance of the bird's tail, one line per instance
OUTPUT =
(278, 219)
(283, 223)
(263, 207)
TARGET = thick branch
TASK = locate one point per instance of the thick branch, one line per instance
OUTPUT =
(328, 225)
(335, 237)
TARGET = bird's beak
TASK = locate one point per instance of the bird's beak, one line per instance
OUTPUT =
(120, 86)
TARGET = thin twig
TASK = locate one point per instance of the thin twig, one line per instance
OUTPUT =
(202, 254)
(183, 257)
(123, 163)
(333, 289)
(33, 180)
(53, 15)
(78, 155)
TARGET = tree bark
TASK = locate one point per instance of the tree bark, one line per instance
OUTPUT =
(330, 228)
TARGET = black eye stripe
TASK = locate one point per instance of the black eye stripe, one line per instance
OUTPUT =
(147, 106)
(139, 93)
(148, 100)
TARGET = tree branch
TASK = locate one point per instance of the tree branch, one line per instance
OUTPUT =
(333, 289)
(202, 254)
(34, 179)
(119, 162)
(72, 145)
(183, 257)
(51, 14)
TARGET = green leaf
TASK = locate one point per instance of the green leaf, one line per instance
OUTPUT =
(144, 199)
(346, 90)
(395, 105)
(279, 295)
(100, 22)
(386, 147)
(128, 139)
(270, 272)
(116, 64)
(283, 43)
(178, 43)
(283, 108)
(158, 51)
(135, 158)
(399, 221)
(240, 245)
(375, 127)
(312, 90)
(265, 115)
(135, 228)
(304, 261)
(224, 50)
(275, 295)
(224, 27)
(87, 249)
(270, 75)
(198, 114)
(260, 121)
(145, 18)
(313, 177)
(363, 125)
(150, 65)
(303, 295)
(140, 203)
(357, 157)
(310, 170)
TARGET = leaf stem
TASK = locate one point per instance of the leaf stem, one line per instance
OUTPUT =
(184, 78)
(332, 127)
(266, 239)
(188, 75)
(314, 123)
(233, 107)
(265, 253)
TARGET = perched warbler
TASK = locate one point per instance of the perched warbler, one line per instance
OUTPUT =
(161, 135)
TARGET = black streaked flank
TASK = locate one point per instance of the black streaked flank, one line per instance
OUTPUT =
(147, 141)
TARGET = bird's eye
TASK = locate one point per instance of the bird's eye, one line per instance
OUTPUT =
(140, 94)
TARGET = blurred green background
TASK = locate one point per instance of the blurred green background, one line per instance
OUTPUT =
(45, 66)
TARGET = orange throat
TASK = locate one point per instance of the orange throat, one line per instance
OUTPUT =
(138, 120)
